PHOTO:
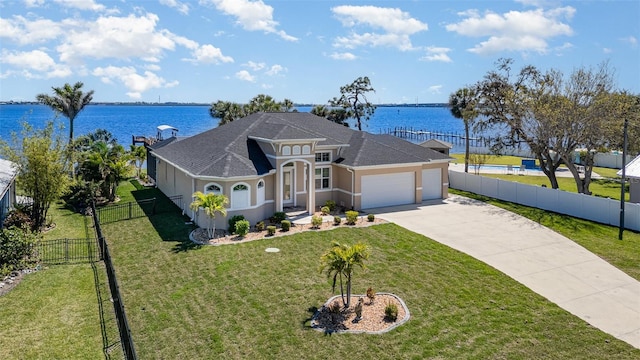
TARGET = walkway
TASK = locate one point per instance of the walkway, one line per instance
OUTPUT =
(544, 261)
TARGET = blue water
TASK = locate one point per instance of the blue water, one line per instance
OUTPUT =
(123, 121)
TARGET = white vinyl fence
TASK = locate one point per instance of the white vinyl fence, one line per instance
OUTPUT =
(605, 211)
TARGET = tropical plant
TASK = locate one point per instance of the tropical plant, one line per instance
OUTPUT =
(371, 217)
(337, 220)
(340, 261)
(138, 155)
(371, 294)
(353, 100)
(42, 173)
(325, 210)
(105, 165)
(16, 245)
(285, 225)
(211, 204)
(463, 106)
(228, 111)
(391, 312)
(352, 217)
(271, 230)
(242, 227)
(337, 115)
(232, 222)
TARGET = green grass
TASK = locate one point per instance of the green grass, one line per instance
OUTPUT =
(52, 314)
(61, 311)
(600, 239)
(237, 301)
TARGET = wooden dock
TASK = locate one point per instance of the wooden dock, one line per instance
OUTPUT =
(418, 135)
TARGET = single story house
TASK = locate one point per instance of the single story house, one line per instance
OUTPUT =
(632, 172)
(8, 176)
(267, 162)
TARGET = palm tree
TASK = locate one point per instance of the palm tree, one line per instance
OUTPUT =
(340, 261)
(68, 101)
(463, 106)
(106, 165)
(138, 156)
(212, 204)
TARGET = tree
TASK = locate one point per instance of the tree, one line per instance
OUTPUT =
(41, 170)
(138, 156)
(513, 108)
(353, 99)
(340, 261)
(212, 204)
(68, 101)
(338, 116)
(463, 106)
(228, 111)
(105, 165)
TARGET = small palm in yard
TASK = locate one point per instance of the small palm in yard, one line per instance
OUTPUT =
(212, 204)
(340, 261)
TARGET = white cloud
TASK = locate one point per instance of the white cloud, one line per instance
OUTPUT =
(245, 76)
(134, 82)
(254, 65)
(275, 70)
(33, 3)
(118, 37)
(343, 56)
(515, 30)
(395, 25)
(35, 60)
(180, 6)
(23, 31)
(437, 54)
(252, 16)
(631, 40)
(607, 50)
(207, 54)
(435, 89)
(82, 4)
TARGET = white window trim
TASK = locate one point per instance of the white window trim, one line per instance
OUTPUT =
(259, 189)
(213, 183)
(321, 161)
(248, 205)
(314, 178)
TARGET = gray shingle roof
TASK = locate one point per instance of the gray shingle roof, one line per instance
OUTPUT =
(8, 173)
(230, 151)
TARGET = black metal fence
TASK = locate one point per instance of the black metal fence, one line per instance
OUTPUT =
(137, 209)
(123, 325)
(67, 251)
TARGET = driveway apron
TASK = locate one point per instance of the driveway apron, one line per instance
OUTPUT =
(543, 260)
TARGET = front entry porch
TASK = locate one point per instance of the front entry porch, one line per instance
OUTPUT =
(295, 186)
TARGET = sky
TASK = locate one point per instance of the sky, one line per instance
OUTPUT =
(303, 50)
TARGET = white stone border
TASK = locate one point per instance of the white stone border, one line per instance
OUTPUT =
(407, 315)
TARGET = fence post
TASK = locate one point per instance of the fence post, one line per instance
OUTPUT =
(130, 203)
(66, 250)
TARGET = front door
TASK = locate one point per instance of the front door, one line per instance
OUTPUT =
(288, 190)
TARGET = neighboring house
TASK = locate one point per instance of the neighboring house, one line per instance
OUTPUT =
(438, 145)
(632, 172)
(267, 162)
(8, 175)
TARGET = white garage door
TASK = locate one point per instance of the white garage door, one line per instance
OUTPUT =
(431, 184)
(388, 190)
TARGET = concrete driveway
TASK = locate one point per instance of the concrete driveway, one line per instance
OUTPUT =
(544, 261)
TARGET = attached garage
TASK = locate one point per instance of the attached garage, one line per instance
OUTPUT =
(388, 190)
(431, 184)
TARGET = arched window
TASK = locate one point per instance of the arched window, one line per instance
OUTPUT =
(260, 193)
(306, 150)
(286, 150)
(296, 149)
(240, 196)
(213, 188)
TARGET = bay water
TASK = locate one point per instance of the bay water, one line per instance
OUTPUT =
(123, 121)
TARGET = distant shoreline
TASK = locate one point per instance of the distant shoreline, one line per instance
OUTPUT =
(208, 104)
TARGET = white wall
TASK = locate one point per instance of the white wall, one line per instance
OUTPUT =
(605, 211)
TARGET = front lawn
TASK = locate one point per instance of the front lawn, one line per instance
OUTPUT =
(238, 301)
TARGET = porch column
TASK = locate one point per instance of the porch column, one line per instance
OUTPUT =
(279, 185)
(311, 194)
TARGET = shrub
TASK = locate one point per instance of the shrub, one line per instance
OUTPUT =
(330, 204)
(391, 312)
(260, 226)
(286, 225)
(271, 230)
(278, 217)
(78, 195)
(16, 245)
(316, 221)
(352, 217)
(242, 227)
(232, 222)
(371, 217)
(371, 295)
(337, 220)
(19, 219)
(325, 210)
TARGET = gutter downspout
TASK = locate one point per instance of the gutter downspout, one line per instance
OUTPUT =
(193, 190)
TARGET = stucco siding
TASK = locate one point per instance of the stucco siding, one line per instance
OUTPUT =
(634, 190)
